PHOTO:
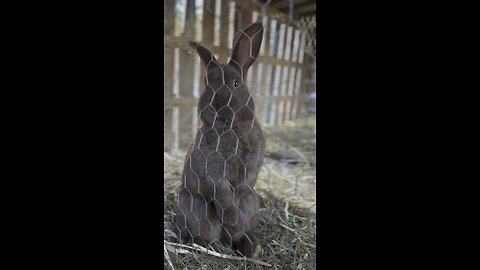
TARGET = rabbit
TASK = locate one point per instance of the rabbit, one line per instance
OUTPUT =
(217, 200)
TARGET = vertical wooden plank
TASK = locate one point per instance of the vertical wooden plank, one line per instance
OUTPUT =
(288, 43)
(243, 17)
(168, 21)
(247, 17)
(267, 84)
(266, 29)
(294, 72)
(276, 93)
(265, 48)
(286, 73)
(186, 78)
(199, 8)
(281, 111)
(281, 41)
(208, 39)
(176, 74)
(179, 12)
(231, 24)
(299, 83)
(217, 24)
(198, 88)
(296, 43)
(273, 112)
(238, 19)
(301, 53)
(168, 30)
(276, 71)
(270, 76)
(254, 72)
(290, 91)
(272, 38)
(224, 25)
(283, 93)
(208, 22)
(246, 20)
(190, 18)
(255, 16)
(297, 93)
(175, 130)
(262, 109)
(280, 78)
(198, 75)
(259, 104)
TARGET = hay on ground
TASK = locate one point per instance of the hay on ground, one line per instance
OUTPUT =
(286, 187)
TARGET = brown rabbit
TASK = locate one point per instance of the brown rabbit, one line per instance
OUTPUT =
(217, 200)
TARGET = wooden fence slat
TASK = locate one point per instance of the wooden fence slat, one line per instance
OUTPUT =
(168, 29)
(290, 92)
(280, 77)
(273, 71)
(257, 90)
(208, 22)
(175, 145)
(296, 93)
(283, 92)
(301, 53)
(208, 36)
(281, 40)
(238, 21)
(267, 87)
(288, 43)
(224, 25)
(263, 81)
(276, 92)
(186, 79)
(231, 25)
(272, 38)
(296, 43)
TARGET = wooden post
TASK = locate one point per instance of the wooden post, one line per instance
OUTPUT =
(238, 19)
(168, 29)
(225, 9)
(208, 22)
(186, 78)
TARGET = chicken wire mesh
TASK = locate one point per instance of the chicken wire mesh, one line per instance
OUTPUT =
(239, 194)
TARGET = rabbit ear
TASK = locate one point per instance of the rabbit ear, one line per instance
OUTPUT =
(206, 56)
(246, 47)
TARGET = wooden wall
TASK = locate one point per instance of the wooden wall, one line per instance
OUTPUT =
(275, 80)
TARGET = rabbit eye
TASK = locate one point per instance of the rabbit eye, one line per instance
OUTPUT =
(235, 83)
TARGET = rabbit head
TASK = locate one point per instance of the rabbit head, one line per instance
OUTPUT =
(226, 98)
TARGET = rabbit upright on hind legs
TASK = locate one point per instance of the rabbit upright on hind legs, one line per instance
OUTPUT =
(217, 199)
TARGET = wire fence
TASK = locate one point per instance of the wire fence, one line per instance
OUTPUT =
(242, 201)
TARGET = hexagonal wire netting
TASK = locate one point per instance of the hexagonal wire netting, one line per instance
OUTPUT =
(216, 206)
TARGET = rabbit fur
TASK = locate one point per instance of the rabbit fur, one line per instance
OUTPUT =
(217, 200)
